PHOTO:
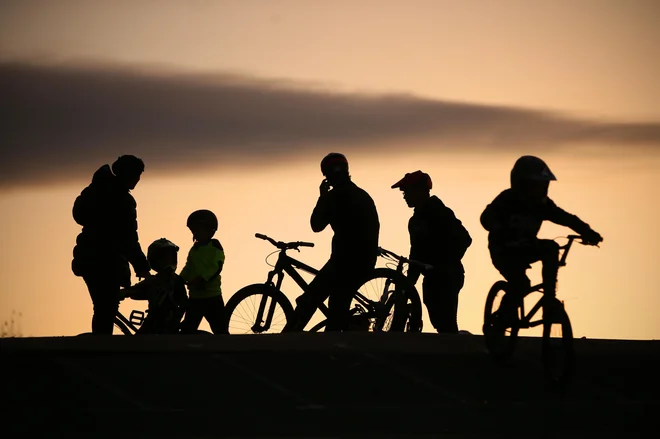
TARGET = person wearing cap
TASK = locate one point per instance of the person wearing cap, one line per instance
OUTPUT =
(108, 242)
(514, 218)
(351, 213)
(439, 239)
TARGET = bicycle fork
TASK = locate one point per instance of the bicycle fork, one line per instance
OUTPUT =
(261, 325)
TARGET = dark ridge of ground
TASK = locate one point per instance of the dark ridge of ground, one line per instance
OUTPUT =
(320, 385)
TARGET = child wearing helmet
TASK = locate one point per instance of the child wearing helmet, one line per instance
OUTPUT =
(202, 275)
(513, 220)
(166, 291)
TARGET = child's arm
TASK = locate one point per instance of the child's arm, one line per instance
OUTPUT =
(139, 291)
(180, 294)
(186, 272)
(213, 261)
(559, 216)
(204, 264)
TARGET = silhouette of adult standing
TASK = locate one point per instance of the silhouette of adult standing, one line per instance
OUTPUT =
(352, 215)
(109, 239)
(439, 239)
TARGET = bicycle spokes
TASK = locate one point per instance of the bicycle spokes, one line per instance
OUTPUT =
(257, 314)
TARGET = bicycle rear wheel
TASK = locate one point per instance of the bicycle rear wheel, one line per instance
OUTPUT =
(500, 336)
(258, 309)
(558, 347)
(401, 310)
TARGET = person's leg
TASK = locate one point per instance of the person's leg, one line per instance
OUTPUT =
(344, 284)
(193, 316)
(547, 251)
(513, 267)
(441, 300)
(339, 305)
(104, 291)
(308, 302)
(214, 313)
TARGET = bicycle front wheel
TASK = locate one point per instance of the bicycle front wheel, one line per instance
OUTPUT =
(402, 309)
(258, 309)
(500, 335)
(558, 347)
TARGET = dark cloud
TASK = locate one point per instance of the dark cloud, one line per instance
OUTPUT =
(60, 122)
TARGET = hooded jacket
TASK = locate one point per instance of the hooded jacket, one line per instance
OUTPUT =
(109, 239)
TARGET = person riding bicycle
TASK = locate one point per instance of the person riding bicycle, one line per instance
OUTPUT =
(108, 242)
(165, 291)
(439, 239)
(513, 220)
(202, 275)
(351, 213)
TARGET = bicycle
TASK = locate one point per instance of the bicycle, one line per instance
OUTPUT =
(131, 325)
(558, 353)
(127, 326)
(274, 309)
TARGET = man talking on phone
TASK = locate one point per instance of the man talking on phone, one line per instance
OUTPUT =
(352, 215)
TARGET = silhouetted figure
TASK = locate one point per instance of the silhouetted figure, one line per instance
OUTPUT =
(513, 220)
(351, 213)
(109, 238)
(439, 239)
(166, 291)
(202, 275)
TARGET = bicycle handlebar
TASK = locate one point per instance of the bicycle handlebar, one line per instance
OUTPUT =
(284, 245)
(581, 239)
(402, 259)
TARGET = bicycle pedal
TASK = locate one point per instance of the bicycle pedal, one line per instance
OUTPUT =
(136, 317)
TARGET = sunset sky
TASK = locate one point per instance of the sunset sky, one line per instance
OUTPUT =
(232, 105)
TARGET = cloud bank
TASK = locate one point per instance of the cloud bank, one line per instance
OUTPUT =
(60, 122)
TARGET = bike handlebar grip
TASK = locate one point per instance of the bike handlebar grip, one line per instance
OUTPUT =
(260, 236)
(306, 244)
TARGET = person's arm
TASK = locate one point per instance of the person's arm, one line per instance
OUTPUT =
(321, 214)
(453, 239)
(413, 273)
(180, 294)
(413, 270)
(139, 291)
(130, 241)
(559, 216)
(213, 261)
(204, 264)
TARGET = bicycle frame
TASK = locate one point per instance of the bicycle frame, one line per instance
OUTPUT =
(289, 265)
(134, 321)
(526, 320)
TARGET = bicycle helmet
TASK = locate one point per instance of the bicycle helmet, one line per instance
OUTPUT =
(530, 168)
(334, 162)
(162, 254)
(203, 216)
(411, 179)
